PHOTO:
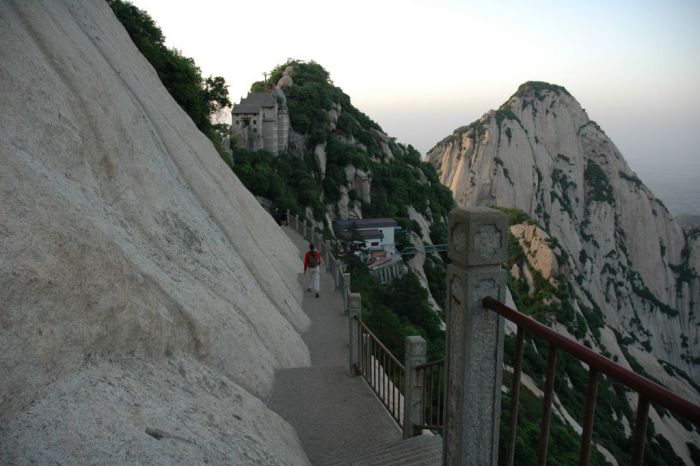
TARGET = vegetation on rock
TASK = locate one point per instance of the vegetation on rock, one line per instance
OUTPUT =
(399, 181)
(199, 97)
(598, 185)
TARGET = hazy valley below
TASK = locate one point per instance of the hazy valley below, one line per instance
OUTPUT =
(677, 185)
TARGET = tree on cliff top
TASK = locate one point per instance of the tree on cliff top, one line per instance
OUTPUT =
(200, 98)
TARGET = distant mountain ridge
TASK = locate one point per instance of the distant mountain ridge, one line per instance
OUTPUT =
(625, 266)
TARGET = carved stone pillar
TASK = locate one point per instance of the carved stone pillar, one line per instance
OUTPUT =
(478, 244)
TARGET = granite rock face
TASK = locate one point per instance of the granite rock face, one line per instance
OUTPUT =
(625, 254)
(534, 241)
(143, 288)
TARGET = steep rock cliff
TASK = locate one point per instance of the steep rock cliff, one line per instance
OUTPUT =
(541, 153)
(632, 270)
(146, 297)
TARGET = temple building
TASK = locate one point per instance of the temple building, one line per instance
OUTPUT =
(261, 121)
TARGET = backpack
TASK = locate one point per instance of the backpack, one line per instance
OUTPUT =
(313, 259)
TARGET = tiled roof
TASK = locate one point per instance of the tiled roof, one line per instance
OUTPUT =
(254, 102)
(363, 234)
(365, 223)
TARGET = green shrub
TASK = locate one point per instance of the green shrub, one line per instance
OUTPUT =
(198, 97)
(598, 186)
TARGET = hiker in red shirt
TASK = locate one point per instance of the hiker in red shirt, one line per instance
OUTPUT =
(312, 262)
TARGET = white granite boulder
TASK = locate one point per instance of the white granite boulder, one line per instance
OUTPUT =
(142, 286)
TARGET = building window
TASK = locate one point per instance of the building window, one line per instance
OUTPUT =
(374, 243)
(255, 122)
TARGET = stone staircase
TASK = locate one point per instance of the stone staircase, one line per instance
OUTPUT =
(424, 450)
(338, 418)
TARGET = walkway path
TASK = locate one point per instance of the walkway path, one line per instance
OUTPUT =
(335, 415)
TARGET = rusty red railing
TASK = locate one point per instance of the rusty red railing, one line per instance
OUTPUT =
(432, 377)
(647, 390)
(382, 370)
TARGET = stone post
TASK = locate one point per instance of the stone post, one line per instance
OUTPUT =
(413, 396)
(336, 273)
(354, 311)
(287, 218)
(346, 291)
(324, 254)
(330, 266)
(478, 243)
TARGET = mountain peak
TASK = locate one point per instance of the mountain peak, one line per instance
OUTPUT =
(539, 89)
(627, 274)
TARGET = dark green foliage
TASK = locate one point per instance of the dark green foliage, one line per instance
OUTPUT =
(515, 215)
(398, 310)
(401, 308)
(684, 272)
(258, 86)
(641, 290)
(598, 186)
(312, 96)
(437, 276)
(539, 89)
(505, 113)
(564, 443)
(288, 181)
(198, 97)
(397, 185)
(632, 179)
(341, 153)
(438, 232)
(546, 300)
(562, 255)
(658, 201)
(334, 179)
(565, 158)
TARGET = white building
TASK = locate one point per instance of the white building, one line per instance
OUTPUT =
(261, 121)
(376, 233)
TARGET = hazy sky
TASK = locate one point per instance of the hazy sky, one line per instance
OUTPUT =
(422, 68)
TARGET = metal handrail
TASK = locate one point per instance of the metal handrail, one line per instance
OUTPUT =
(384, 373)
(430, 364)
(432, 377)
(648, 391)
(333, 265)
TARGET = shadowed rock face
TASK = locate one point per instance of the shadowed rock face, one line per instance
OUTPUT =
(141, 285)
(626, 256)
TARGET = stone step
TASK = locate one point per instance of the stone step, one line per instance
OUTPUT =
(334, 414)
(423, 450)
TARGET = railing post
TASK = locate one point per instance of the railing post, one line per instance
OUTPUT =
(413, 394)
(478, 240)
(346, 291)
(286, 219)
(332, 269)
(354, 312)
